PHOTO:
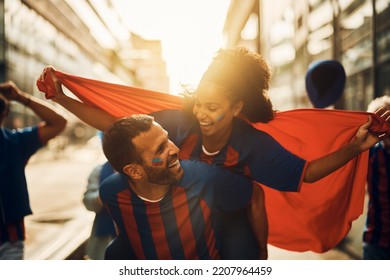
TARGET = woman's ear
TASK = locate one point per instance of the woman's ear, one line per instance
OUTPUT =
(133, 171)
(237, 108)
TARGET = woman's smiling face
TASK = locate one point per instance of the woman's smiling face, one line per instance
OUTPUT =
(214, 110)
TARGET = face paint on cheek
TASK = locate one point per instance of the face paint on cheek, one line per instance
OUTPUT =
(220, 117)
(157, 161)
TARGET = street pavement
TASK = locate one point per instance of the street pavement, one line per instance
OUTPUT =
(60, 223)
(56, 183)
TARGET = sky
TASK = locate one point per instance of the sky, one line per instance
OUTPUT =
(190, 31)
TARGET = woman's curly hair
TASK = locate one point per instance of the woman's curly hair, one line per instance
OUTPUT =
(246, 76)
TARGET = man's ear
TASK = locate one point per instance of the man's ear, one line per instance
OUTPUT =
(134, 171)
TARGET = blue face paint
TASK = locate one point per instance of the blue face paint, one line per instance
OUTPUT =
(220, 117)
(157, 161)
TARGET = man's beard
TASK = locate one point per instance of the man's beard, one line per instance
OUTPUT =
(161, 176)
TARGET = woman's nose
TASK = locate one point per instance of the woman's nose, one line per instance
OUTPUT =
(200, 113)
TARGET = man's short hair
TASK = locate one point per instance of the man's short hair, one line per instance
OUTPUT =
(383, 101)
(118, 144)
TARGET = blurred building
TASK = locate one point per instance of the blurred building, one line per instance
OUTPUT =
(149, 68)
(81, 37)
(291, 34)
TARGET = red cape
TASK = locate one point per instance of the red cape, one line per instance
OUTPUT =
(319, 216)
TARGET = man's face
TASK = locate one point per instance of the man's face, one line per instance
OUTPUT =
(159, 155)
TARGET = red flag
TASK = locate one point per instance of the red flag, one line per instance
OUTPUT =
(319, 216)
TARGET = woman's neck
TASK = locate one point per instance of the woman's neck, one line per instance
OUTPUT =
(214, 143)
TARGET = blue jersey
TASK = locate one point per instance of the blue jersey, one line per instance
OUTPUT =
(182, 225)
(16, 147)
(249, 151)
(377, 229)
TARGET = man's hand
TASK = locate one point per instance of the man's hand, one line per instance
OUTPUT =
(10, 90)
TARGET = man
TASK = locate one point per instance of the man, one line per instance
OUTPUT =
(376, 233)
(103, 229)
(16, 147)
(164, 208)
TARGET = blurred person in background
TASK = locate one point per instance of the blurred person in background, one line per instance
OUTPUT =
(103, 229)
(376, 234)
(16, 147)
(325, 81)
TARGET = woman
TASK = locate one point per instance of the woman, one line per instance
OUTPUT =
(234, 85)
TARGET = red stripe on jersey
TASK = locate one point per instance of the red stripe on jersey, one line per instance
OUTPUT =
(156, 224)
(231, 158)
(126, 209)
(209, 231)
(188, 146)
(370, 212)
(184, 225)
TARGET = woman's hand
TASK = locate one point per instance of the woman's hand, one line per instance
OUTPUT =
(52, 83)
(364, 139)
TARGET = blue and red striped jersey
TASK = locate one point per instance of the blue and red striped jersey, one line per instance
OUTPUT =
(183, 224)
(249, 151)
(377, 228)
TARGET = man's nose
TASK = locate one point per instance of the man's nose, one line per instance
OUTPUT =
(173, 149)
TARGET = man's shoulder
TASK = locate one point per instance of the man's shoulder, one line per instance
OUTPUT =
(18, 131)
(113, 184)
(198, 172)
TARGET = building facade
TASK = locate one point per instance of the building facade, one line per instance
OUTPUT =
(295, 33)
(75, 37)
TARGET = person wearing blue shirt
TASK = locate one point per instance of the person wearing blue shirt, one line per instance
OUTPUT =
(16, 147)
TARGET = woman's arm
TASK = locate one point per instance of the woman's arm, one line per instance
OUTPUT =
(92, 116)
(325, 165)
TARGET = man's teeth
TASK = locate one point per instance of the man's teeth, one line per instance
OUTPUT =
(205, 123)
(173, 164)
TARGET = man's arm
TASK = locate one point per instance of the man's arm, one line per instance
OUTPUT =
(258, 220)
(91, 198)
(234, 192)
(53, 122)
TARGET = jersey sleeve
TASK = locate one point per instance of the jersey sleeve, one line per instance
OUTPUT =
(110, 187)
(229, 191)
(29, 141)
(177, 123)
(270, 164)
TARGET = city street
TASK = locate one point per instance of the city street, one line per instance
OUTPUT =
(61, 223)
